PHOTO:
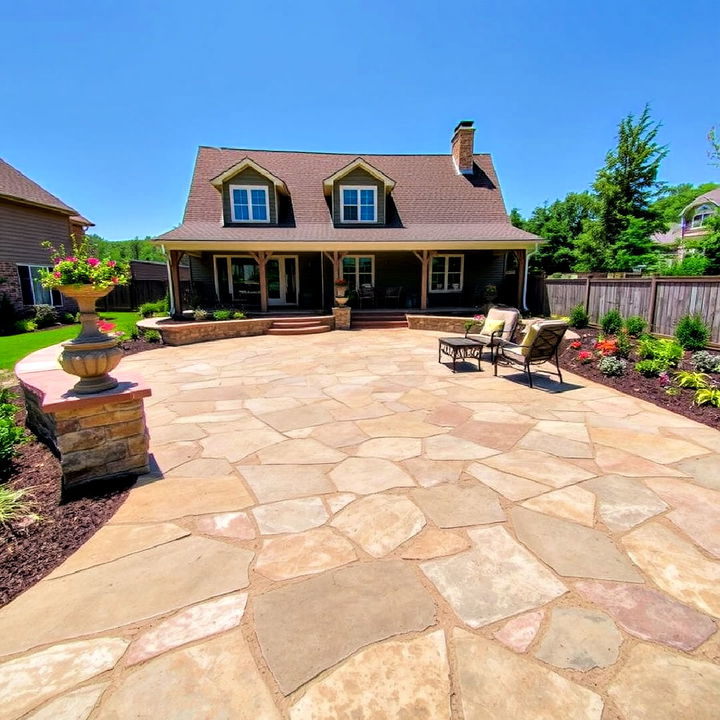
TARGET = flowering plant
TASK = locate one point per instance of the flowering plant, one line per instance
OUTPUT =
(606, 347)
(341, 282)
(475, 320)
(585, 356)
(576, 345)
(81, 268)
(104, 326)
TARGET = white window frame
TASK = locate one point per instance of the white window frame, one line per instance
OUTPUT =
(702, 213)
(445, 288)
(29, 266)
(358, 188)
(357, 268)
(249, 188)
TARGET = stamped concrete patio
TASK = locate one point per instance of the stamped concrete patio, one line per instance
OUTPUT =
(341, 528)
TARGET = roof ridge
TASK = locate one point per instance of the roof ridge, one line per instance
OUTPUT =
(322, 152)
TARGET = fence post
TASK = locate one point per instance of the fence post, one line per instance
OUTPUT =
(653, 298)
(587, 294)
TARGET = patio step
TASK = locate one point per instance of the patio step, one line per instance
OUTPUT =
(378, 320)
(298, 326)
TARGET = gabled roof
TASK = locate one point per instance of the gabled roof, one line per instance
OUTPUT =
(711, 196)
(364, 165)
(16, 186)
(245, 163)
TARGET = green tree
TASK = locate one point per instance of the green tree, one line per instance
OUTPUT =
(675, 198)
(714, 151)
(135, 249)
(710, 244)
(516, 219)
(625, 188)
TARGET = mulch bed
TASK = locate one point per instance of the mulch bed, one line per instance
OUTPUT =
(635, 384)
(30, 550)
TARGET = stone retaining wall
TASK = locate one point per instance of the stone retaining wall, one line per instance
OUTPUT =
(440, 323)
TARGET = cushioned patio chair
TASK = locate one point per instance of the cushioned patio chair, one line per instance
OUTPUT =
(540, 345)
(392, 295)
(500, 325)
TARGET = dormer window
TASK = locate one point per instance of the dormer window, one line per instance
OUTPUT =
(701, 215)
(249, 203)
(359, 204)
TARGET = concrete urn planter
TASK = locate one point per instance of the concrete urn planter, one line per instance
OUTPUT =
(92, 354)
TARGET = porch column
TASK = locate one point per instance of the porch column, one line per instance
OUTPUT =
(424, 257)
(175, 289)
(335, 258)
(522, 279)
(262, 257)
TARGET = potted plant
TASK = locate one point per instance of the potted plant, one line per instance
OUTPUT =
(341, 286)
(478, 320)
(86, 278)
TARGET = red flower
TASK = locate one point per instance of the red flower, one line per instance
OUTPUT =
(584, 356)
(71, 258)
(111, 263)
(576, 345)
(93, 262)
(105, 326)
(114, 280)
(57, 274)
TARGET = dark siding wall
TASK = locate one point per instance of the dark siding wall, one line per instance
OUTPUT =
(359, 177)
(22, 229)
(248, 177)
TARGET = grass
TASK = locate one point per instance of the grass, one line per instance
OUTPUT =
(15, 347)
(14, 505)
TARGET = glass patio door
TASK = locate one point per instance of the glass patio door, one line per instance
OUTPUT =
(282, 281)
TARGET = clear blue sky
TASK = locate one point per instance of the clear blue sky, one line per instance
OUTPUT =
(104, 103)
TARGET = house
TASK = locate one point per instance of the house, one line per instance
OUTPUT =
(272, 230)
(692, 223)
(29, 214)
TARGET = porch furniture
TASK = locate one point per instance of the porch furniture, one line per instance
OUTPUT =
(458, 347)
(509, 318)
(392, 294)
(366, 295)
(540, 344)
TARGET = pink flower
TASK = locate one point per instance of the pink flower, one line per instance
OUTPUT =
(105, 326)
(56, 261)
(114, 280)
(478, 318)
(57, 274)
(584, 356)
(111, 263)
(93, 262)
(576, 345)
(70, 258)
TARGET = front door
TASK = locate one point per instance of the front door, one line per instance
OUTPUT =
(282, 280)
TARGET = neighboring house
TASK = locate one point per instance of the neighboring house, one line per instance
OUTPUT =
(692, 224)
(29, 215)
(274, 229)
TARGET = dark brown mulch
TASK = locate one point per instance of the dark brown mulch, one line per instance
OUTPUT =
(30, 550)
(635, 384)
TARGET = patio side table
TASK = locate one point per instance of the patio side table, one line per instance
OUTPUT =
(462, 348)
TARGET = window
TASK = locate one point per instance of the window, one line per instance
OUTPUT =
(33, 293)
(358, 204)
(701, 215)
(237, 278)
(359, 270)
(446, 273)
(249, 204)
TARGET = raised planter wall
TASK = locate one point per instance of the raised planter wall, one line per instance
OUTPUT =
(440, 323)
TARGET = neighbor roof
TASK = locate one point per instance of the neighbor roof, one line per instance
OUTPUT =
(431, 200)
(16, 186)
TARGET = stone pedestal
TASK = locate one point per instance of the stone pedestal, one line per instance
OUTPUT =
(342, 318)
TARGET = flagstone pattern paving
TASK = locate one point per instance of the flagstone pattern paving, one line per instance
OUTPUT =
(336, 526)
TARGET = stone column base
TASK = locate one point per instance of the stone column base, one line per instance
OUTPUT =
(342, 317)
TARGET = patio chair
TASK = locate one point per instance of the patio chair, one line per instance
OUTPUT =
(500, 325)
(540, 345)
(366, 295)
(392, 294)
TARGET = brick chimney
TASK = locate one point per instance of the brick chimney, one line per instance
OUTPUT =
(462, 147)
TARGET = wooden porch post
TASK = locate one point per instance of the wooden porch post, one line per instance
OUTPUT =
(262, 257)
(175, 288)
(424, 257)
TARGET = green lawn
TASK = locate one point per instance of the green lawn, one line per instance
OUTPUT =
(16, 347)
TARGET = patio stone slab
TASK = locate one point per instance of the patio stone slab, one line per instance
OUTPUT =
(290, 516)
(451, 506)
(306, 451)
(560, 446)
(401, 424)
(571, 549)
(538, 466)
(433, 472)
(235, 525)
(572, 503)
(394, 679)
(399, 448)
(648, 614)
(518, 633)
(701, 435)
(497, 683)
(234, 446)
(339, 434)
(613, 461)
(284, 482)
(163, 434)
(510, 486)
(327, 618)
(75, 705)
(449, 415)
(676, 566)
(307, 553)
(296, 418)
(380, 523)
(201, 467)
(114, 541)
(497, 578)
(576, 431)
(661, 685)
(369, 475)
(580, 639)
(696, 510)
(193, 623)
(645, 445)
(624, 502)
(449, 447)
(172, 454)
(500, 436)
(28, 681)
(149, 583)
(434, 543)
(216, 679)
(337, 501)
(704, 470)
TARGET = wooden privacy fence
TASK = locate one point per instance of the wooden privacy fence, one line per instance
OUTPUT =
(662, 301)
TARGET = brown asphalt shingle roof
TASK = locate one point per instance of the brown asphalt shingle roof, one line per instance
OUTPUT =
(432, 201)
(15, 185)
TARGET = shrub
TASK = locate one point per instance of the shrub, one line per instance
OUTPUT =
(67, 318)
(665, 351)
(635, 325)
(200, 314)
(703, 361)
(612, 366)
(45, 316)
(622, 343)
(13, 505)
(692, 332)
(579, 317)
(152, 336)
(135, 333)
(611, 322)
(25, 326)
(11, 435)
(650, 368)
(150, 309)
(708, 396)
(222, 314)
(689, 379)
(239, 315)
(690, 265)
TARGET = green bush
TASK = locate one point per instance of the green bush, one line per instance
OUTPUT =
(14, 505)
(622, 342)
(635, 325)
(703, 361)
(222, 314)
(650, 368)
(666, 351)
(611, 322)
(579, 317)
(152, 336)
(694, 380)
(239, 315)
(200, 314)
(11, 435)
(612, 366)
(151, 309)
(708, 396)
(692, 332)
(68, 318)
(690, 265)
(25, 326)
(45, 316)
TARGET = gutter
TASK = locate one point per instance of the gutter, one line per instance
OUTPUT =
(527, 267)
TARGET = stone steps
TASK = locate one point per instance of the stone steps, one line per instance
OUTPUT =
(299, 326)
(378, 320)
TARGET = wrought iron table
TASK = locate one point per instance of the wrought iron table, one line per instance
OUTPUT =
(463, 348)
